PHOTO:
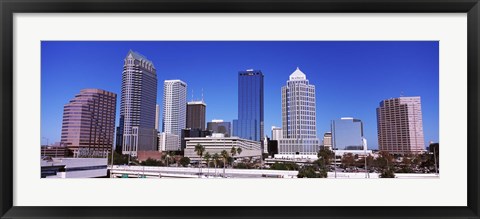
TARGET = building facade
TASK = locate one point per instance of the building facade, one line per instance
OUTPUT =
(217, 143)
(347, 134)
(189, 133)
(137, 106)
(298, 118)
(400, 125)
(174, 108)
(196, 112)
(277, 133)
(219, 126)
(327, 140)
(168, 142)
(157, 117)
(89, 123)
(249, 124)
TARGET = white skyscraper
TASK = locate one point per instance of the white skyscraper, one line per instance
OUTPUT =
(174, 108)
(277, 133)
(157, 117)
(298, 118)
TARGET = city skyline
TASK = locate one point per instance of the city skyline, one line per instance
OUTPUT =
(341, 89)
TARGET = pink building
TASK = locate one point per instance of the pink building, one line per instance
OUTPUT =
(400, 126)
(89, 123)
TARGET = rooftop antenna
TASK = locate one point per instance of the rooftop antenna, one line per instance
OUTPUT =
(192, 94)
(202, 94)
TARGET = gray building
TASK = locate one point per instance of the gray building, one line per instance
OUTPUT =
(137, 106)
(174, 108)
(219, 126)
(298, 118)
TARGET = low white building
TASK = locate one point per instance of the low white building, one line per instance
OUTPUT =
(217, 143)
(74, 167)
(168, 142)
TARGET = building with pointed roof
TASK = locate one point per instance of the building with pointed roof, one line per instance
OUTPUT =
(136, 131)
(299, 137)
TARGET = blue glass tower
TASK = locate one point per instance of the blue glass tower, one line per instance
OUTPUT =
(249, 124)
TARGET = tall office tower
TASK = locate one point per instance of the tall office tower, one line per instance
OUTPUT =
(327, 140)
(400, 126)
(196, 111)
(277, 133)
(249, 124)
(219, 126)
(137, 106)
(174, 108)
(347, 134)
(298, 117)
(157, 117)
(89, 123)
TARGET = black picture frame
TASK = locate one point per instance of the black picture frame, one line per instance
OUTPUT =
(9, 7)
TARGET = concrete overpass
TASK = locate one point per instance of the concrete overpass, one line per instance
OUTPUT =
(189, 172)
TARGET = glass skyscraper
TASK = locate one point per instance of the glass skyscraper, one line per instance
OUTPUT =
(347, 134)
(249, 124)
(137, 107)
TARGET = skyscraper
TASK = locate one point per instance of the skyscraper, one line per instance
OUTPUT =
(89, 123)
(400, 126)
(157, 117)
(298, 117)
(277, 133)
(196, 111)
(347, 134)
(137, 107)
(174, 108)
(249, 124)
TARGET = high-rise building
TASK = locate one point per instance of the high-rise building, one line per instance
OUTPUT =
(347, 134)
(196, 111)
(219, 126)
(400, 126)
(157, 117)
(277, 133)
(249, 124)
(174, 108)
(137, 106)
(327, 140)
(298, 117)
(89, 123)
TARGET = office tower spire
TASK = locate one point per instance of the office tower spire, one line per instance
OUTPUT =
(137, 107)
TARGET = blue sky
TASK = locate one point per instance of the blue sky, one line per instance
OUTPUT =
(351, 77)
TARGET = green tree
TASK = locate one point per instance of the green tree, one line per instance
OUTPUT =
(207, 157)
(308, 172)
(326, 155)
(224, 155)
(387, 173)
(184, 161)
(151, 162)
(348, 160)
(239, 151)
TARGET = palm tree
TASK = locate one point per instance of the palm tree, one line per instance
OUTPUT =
(233, 151)
(207, 158)
(215, 158)
(239, 151)
(199, 149)
(224, 154)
